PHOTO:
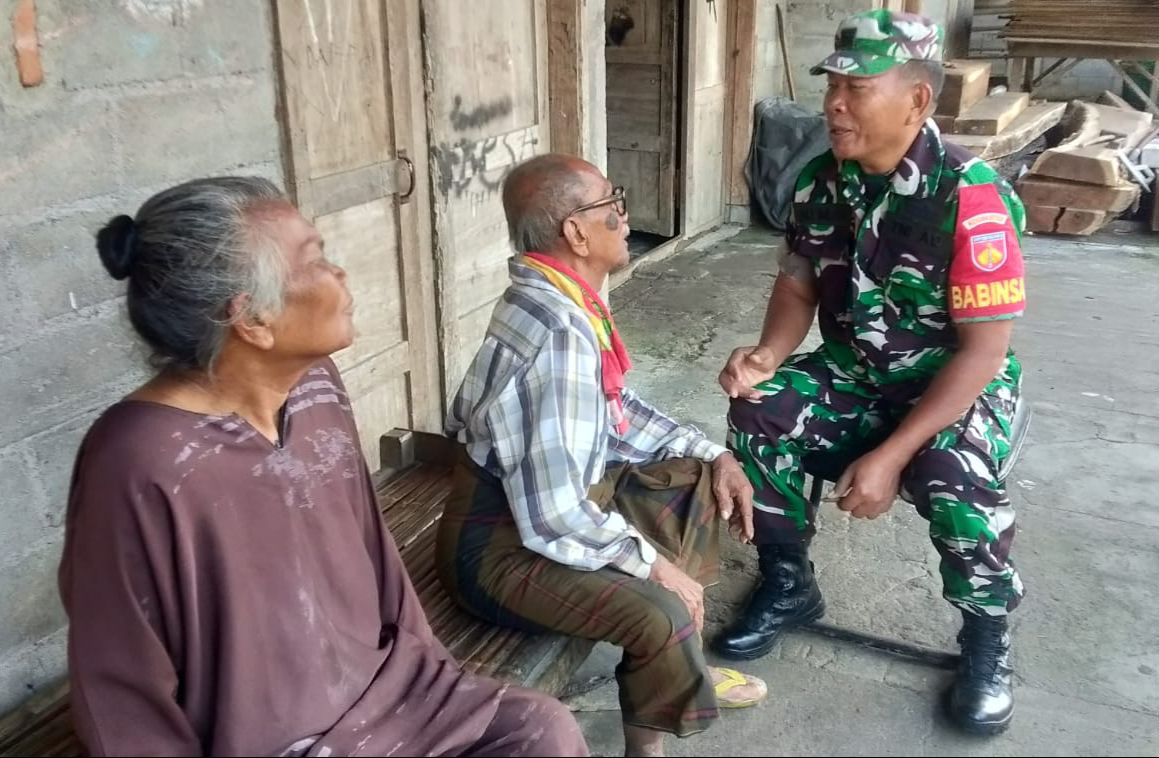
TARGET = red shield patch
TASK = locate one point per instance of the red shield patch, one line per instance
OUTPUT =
(988, 251)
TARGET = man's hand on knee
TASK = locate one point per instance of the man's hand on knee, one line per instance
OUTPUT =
(734, 496)
(669, 576)
(869, 486)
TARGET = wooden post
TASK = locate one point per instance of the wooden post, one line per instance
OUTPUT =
(785, 60)
(396, 449)
(1016, 72)
(566, 75)
(1155, 81)
(1155, 207)
(959, 22)
(742, 48)
(1148, 103)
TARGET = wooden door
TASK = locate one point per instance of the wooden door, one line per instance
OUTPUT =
(707, 28)
(351, 94)
(640, 50)
(487, 100)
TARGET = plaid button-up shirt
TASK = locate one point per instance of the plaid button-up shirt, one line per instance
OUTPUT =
(532, 411)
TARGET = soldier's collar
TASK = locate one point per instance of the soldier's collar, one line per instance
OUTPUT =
(920, 169)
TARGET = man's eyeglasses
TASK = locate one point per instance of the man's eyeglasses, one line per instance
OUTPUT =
(618, 199)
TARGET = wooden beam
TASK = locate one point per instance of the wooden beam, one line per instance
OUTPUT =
(967, 82)
(991, 115)
(959, 23)
(1155, 207)
(1147, 102)
(742, 37)
(1056, 220)
(1016, 69)
(688, 28)
(1038, 47)
(396, 450)
(1155, 81)
(1131, 125)
(1110, 98)
(1093, 165)
(785, 61)
(1029, 125)
(565, 76)
(1044, 191)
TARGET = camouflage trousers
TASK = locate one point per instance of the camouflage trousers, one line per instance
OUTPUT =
(812, 407)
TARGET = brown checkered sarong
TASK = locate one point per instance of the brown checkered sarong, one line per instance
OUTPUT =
(664, 680)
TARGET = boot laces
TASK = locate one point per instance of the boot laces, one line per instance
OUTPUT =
(983, 650)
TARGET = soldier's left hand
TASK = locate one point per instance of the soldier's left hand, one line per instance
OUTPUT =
(868, 488)
(734, 496)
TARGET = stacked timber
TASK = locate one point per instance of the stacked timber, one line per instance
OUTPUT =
(1086, 180)
(1115, 22)
(989, 125)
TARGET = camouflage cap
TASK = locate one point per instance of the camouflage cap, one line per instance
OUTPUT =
(871, 43)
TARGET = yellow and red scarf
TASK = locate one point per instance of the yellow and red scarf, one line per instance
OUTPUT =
(614, 361)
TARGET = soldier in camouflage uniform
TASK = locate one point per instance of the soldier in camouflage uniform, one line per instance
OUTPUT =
(909, 248)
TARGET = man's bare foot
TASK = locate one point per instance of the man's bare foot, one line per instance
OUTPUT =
(736, 690)
(639, 741)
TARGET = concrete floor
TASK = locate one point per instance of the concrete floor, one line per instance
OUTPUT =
(1086, 640)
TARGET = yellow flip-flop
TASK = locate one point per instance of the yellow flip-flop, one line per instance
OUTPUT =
(732, 680)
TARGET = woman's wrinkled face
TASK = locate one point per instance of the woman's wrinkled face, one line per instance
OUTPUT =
(318, 314)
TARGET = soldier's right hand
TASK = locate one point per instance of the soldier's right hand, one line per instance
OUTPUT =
(746, 368)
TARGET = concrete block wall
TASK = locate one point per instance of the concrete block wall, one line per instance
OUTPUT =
(1086, 81)
(811, 27)
(138, 95)
(768, 67)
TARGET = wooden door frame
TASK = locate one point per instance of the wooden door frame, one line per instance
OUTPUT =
(417, 271)
(685, 108)
(416, 215)
(568, 102)
(742, 42)
(569, 69)
(567, 76)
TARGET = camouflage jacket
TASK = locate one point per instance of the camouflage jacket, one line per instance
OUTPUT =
(888, 297)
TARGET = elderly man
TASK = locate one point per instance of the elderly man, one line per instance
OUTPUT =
(577, 507)
(909, 247)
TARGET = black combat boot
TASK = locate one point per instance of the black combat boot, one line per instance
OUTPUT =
(982, 698)
(787, 597)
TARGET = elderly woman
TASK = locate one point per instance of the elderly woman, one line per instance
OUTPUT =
(230, 586)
